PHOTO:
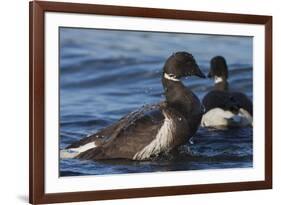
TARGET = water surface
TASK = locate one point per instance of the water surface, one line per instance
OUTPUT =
(106, 74)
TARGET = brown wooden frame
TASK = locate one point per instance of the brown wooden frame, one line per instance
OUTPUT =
(37, 194)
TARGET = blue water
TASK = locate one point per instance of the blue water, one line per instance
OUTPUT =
(106, 74)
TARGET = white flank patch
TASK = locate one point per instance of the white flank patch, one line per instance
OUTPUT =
(162, 141)
(218, 117)
(218, 79)
(73, 152)
(246, 118)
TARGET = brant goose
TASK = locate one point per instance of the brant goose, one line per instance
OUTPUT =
(224, 108)
(153, 129)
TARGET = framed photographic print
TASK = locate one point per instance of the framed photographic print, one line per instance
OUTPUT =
(139, 102)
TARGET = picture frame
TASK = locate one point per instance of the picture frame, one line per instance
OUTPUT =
(38, 100)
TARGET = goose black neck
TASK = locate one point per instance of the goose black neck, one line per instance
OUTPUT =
(177, 95)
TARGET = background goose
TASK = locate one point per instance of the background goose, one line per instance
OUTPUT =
(224, 108)
(153, 129)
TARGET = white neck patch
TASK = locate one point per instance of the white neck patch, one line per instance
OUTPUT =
(169, 77)
(218, 79)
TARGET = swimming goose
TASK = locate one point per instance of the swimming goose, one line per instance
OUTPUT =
(223, 108)
(152, 129)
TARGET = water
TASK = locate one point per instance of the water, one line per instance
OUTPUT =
(106, 74)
